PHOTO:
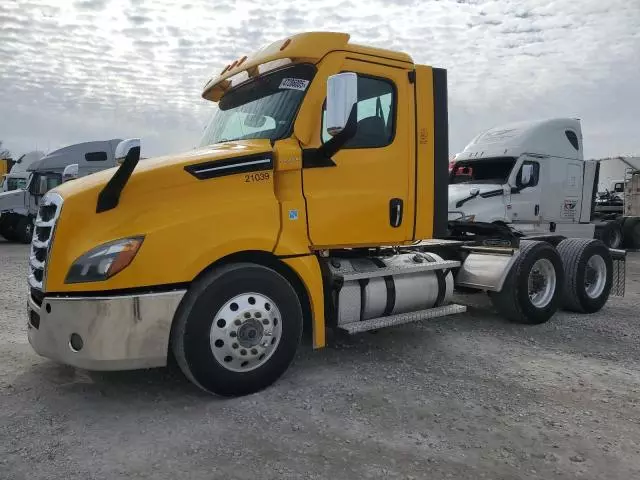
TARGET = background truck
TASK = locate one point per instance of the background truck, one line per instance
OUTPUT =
(533, 176)
(19, 206)
(17, 176)
(317, 199)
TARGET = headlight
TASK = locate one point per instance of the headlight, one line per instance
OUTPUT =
(468, 218)
(105, 261)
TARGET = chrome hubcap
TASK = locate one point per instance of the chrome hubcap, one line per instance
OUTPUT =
(595, 276)
(245, 332)
(542, 283)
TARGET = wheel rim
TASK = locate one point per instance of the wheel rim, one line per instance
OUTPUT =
(595, 276)
(542, 283)
(246, 332)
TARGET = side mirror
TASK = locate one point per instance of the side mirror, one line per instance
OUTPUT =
(124, 147)
(527, 175)
(70, 172)
(342, 96)
(42, 185)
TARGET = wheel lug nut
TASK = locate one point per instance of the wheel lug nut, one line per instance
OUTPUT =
(258, 314)
(265, 322)
(238, 321)
(233, 334)
(247, 315)
(243, 352)
(254, 351)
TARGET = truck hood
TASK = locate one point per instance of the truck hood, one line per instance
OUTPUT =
(167, 171)
(459, 191)
(11, 200)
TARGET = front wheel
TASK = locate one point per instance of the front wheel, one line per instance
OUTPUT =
(24, 230)
(237, 330)
(531, 293)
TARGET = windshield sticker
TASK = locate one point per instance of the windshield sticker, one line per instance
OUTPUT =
(294, 84)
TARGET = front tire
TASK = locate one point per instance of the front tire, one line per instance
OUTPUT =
(237, 329)
(531, 293)
(588, 274)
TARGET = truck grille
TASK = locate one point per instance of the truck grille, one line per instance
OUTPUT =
(48, 214)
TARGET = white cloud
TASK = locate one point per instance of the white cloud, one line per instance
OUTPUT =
(79, 70)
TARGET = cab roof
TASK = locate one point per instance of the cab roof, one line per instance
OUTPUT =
(309, 47)
(553, 137)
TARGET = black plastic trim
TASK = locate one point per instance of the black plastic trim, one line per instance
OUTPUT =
(440, 153)
(492, 193)
(391, 295)
(109, 196)
(169, 287)
(296, 255)
(232, 166)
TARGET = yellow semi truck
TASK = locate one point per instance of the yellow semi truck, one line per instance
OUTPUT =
(317, 199)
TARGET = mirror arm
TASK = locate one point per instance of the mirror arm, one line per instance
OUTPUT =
(321, 156)
(110, 195)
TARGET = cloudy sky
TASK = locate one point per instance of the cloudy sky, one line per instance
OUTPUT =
(82, 70)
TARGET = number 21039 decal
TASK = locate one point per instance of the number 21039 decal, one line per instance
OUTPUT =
(256, 177)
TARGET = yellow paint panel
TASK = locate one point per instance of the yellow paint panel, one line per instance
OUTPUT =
(187, 223)
(292, 238)
(308, 269)
(425, 157)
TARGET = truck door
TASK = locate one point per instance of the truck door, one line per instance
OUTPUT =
(365, 198)
(572, 193)
(525, 201)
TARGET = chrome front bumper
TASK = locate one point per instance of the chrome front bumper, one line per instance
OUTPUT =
(122, 332)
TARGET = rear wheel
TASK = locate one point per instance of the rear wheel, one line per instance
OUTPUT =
(7, 227)
(237, 330)
(631, 230)
(532, 290)
(610, 233)
(588, 274)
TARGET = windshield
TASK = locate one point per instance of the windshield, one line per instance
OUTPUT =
(263, 107)
(16, 183)
(487, 170)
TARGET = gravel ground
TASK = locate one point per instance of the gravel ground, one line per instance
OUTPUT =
(469, 396)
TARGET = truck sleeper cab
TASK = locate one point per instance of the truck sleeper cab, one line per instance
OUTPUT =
(316, 200)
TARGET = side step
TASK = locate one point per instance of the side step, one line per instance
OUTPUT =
(402, 318)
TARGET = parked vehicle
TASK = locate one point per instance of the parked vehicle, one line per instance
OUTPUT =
(533, 177)
(317, 199)
(17, 176)
(19, 206)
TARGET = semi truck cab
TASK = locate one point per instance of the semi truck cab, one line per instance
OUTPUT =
(316, 199)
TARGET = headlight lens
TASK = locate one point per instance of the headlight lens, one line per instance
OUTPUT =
(105, 261)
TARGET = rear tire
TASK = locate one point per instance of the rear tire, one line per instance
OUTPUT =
(588, 271)
(631, 230)
(7, 227)
(237, 329)
(610, 233)
(532, 290)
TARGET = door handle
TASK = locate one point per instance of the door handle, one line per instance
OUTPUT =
(395, 212)
(536, 210)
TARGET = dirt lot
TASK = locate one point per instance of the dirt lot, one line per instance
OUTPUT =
(469, 396)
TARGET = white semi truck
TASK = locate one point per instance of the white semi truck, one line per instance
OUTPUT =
(533, 177)
(19, 206)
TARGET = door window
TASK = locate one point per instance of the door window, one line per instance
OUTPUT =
(535, 174)
(376, 114)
